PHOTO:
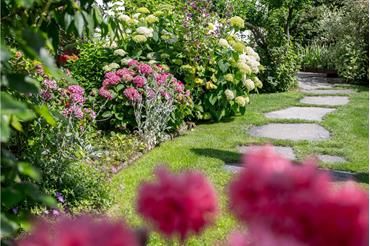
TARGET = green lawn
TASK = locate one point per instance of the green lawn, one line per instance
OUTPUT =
(209, 146)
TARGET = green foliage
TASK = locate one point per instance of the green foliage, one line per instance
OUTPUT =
(87, 70)
(281, 67)
(317, 57)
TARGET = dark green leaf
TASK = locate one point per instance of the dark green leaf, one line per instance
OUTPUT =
(79, 22)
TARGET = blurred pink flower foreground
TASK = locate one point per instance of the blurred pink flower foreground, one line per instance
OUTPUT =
(83, 231)
(296, 203)
(178, 204)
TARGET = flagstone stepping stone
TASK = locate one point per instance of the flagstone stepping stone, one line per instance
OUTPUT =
(329, 92)
(285, 151)
(325, 100)
(302, 113)
(331, 159)
(312, 85)
(233, 168)
(295, 132)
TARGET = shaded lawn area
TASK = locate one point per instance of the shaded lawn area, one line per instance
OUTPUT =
(209, 146)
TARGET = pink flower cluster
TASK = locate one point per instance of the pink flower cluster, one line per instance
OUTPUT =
(83, 231)
(178, 204)
(132, 94)
(280, 200)
(49, 86)
(136, 76)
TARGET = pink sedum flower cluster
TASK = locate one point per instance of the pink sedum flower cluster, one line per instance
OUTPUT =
(283, 201)
(178, 204)
(83, 231)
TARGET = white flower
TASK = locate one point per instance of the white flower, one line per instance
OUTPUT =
(113, 65)
(136, 16)
(241, 101)
(147, 32)
(107, 68)
(125, 61)
(249, 84)
(258, 82)
(119, 52)
(229, 94)
(244, 68)
(113, 45)
(124, 18)
(223, 42)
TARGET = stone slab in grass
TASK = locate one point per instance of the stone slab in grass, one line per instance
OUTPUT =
(325, 100)
(331, 159)
(233, 167)
(301, 113)
(312, 85)
(287, 152)
(329, 92)
(295, 132)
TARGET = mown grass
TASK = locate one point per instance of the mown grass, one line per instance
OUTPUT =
(209, 146)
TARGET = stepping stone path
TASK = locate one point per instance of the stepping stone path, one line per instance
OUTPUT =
(293, 132)
(310, 83)
(287, 152)
(328, 92)
(331, 159)
(302, 113)
(325, 100)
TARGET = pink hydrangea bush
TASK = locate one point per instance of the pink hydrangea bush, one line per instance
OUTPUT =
(145, 98)
(278, 199)
(178, 205)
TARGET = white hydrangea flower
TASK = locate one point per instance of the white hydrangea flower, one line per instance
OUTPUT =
(249, 84)
(107, 68)
(125, 61)
(124, 18)
(147, 32)
(119, 52)
(223, 42)
(136, 16)
(229, 94)
(113, 65)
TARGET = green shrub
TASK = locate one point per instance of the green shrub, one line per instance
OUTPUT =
(282, 63)
(317, 57)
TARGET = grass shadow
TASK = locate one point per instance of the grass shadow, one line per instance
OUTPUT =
(224, 155)
(362, 177)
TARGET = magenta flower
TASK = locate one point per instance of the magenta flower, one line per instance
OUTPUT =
(162, 77)
(166, 95)
(46, 96)
(59, 197)
(179, 87)
(125, 74)
(83, 231)
(178, 204)
(133, 63)
(145, 69)
(132, 94)
(112, 80)
(139, 81)
(187, 93)
(91, 113)
(77, 111)
(105, 93)
(50, 84)
(76, 89)
(298, 202)
(77, 98)
(150, 93)
(109, 75)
